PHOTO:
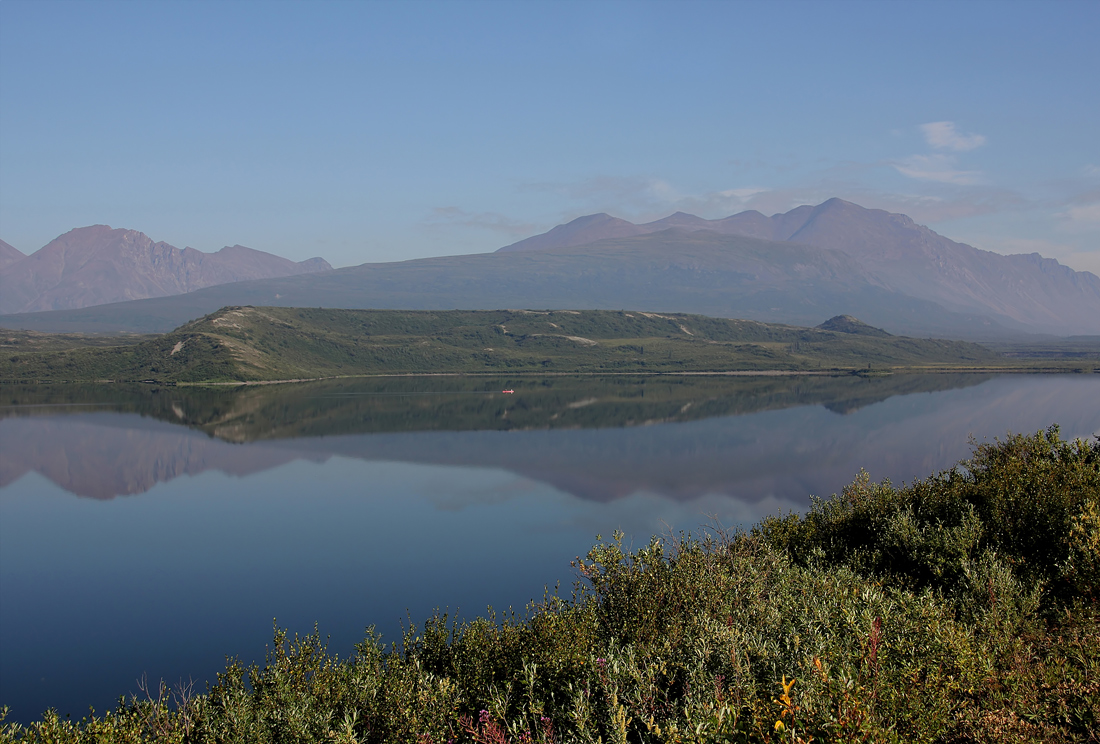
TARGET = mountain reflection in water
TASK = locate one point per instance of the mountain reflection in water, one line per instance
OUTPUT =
(349, 502)
(71, 436)
(599, 439)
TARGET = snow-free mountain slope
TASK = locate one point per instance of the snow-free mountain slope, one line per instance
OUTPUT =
(910, 258)
(581, 231)
(96, 265)
(726, 276)
(801, 267)
(894, 252)
(9, 254)
(593, 227)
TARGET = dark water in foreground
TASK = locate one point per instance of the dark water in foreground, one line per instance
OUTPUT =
(154, 531)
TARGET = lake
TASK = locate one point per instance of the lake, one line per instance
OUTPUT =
(152, 531)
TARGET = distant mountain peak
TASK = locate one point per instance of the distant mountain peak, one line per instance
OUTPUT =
(896, 254)
(98, 264)
(794, 267)
(581, 231)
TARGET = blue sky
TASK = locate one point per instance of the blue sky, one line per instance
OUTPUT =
(377, 131)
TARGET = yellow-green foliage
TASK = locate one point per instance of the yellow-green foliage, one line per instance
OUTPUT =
(817, 629)
(1018, 517)
(1082, 567)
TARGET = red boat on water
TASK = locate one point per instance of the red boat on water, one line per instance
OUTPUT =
(507, 391)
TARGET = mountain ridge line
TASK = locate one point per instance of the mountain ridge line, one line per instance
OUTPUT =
(839, 258)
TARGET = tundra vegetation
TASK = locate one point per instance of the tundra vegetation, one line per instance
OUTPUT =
(958, 608)
(242, 344)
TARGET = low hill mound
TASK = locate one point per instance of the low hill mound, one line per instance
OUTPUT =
(848, 324)
(277, 343)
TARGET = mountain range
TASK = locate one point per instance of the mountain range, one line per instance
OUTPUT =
(97, 265)
(892, 251)
(800, 267)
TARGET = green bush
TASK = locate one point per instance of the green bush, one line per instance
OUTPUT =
(928, 613)
(1019, 516)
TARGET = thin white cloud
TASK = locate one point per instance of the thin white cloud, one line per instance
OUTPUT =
(721, 203)
(925, 208)
(1089, 213)
(937, 167)
(1082, 212)
(613, 192)
(742, 194)
(942, 135)
(494, 221)
(644, 198)
(942, 167)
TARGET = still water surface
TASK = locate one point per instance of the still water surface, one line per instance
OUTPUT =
(148, 531)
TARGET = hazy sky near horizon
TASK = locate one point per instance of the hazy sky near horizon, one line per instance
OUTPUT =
(381, 131)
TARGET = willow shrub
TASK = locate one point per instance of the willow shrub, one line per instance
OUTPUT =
(1020, 516)
(929, 613)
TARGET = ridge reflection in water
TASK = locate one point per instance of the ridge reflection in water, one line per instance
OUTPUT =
(346, 503)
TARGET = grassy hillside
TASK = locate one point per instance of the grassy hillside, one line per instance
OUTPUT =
(1048, 347)
(275, 343)
(23, 341)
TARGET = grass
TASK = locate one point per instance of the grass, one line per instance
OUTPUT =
(242, 344)
(959, 608)
(18, 342)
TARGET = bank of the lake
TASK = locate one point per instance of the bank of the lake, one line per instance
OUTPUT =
(962, 607)
(224, 507)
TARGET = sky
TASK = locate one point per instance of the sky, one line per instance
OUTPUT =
(386, 131)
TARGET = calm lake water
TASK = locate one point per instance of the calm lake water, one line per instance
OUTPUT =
(154, 531)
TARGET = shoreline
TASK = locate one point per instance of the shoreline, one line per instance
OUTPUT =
(835, 372)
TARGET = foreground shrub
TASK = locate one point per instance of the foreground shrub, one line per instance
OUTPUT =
(1017, 523)
(928, 613)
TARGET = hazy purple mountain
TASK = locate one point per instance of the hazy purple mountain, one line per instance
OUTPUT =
(593, 227)
(9, 254)
(104, 455)
(910, 258)
(580, 231)
(96, 265)
(896, 254)
(725, 276)
(801, 267)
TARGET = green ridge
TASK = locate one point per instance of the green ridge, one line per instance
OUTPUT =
(242, 344)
